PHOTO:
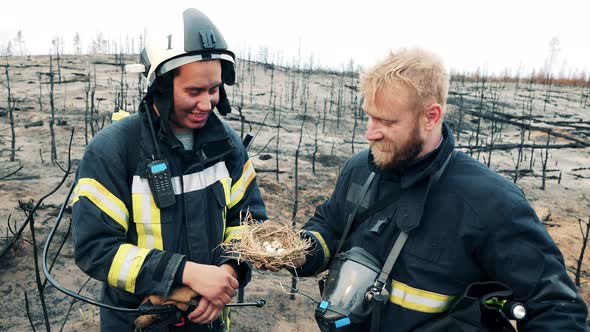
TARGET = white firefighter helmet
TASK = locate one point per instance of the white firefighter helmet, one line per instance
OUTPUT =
(191, 37)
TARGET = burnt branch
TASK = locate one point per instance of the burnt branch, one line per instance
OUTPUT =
(72, 302)
(583, 249)
(61, 245)
(32, 211)
(29, 312)
(530, 127)
(9, 175)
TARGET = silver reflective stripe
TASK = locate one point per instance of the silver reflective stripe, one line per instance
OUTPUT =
(146, 217)
(140, 186)
(183, 60)
(192, 182)
(418, 299)
(104, 200)
(126, 267)
(205, 178)
(176, 185)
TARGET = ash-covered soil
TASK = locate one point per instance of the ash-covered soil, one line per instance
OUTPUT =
(325, 104)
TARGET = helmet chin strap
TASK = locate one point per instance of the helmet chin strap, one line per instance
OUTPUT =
(223, 106)
(165, 104)
(163, 98)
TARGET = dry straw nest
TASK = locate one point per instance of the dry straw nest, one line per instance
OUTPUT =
(271, 243)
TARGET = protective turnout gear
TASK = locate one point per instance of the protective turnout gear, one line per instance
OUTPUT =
(476, 227)
(124, 240)
(192, 37)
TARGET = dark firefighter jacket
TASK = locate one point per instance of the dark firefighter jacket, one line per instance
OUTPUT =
(124, 240)
(476, 226)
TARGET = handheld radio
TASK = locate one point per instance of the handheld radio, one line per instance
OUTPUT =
(160, 182)
(159, 177)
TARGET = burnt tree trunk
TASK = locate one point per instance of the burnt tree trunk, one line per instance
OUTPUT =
(52, 106)
(584, 244)
(87, 109)
(10, 105)
(480, 109)
(277, 149)
(272, 85)
(40, 99)
(315, 145)
(296, 198)
(460, 125)
(93, 109)
(494, 128)
(544, 163)
(324, 121)
(354, 112)
(519, 155)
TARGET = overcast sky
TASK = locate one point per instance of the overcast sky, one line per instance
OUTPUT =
(468, 34)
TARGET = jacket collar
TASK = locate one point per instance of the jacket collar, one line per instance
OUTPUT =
(421, 168)
(210, 142)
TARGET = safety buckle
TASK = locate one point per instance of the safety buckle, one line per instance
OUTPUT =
(181, 323)
(175, 318)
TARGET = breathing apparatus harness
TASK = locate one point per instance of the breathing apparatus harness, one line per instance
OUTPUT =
(343, 306)
(355, 287)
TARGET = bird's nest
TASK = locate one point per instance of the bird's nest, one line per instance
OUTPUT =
(271, 243)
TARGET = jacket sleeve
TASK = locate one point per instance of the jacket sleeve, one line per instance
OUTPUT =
(244, 196)
(326, 226)
(519, 252)
(101, 218)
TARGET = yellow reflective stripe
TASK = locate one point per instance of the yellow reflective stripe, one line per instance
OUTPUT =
(325, 249)
(125, 267)
(233, 232)
(225, 317)
(418, 299)
(146, 215)
(239, 188)
(156, 226)
(103, 199)
(226, 184)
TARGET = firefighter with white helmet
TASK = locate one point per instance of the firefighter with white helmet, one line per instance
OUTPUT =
(158, 191)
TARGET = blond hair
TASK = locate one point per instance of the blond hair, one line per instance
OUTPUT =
(420, 70)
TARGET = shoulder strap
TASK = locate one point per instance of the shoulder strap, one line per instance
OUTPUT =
(379, 284)
(354, 211)
(403, 235)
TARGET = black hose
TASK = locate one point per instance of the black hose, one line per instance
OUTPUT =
(142, 311)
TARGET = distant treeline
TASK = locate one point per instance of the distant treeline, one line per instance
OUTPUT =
(580, 79)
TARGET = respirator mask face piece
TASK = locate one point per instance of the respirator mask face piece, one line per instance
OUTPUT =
(344, 294)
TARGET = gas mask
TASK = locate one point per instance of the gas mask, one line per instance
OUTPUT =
(348, 291)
